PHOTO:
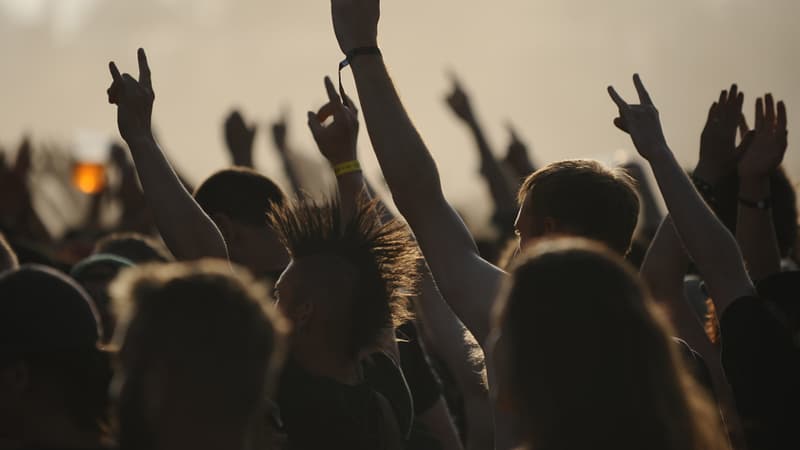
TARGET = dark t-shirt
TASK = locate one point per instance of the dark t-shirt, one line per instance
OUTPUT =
(426, 388)
(763, 367)
(321, 413)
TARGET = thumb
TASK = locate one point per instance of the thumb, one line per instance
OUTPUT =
(619, 122)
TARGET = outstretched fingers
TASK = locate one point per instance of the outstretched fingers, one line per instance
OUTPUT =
(782, 121)
(760, 114)
(644, 96)
(116, 83)
(333, 96)
(621, 104)
(144, 70)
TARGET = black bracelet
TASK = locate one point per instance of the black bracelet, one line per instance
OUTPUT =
(763, 204)
(349, 56)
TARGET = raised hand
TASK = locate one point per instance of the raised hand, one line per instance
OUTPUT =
(337, 141)
(355, 23)
(767, 142)
(459, 103)
(134, 100)
(640, 121)
(517, 156)
(718, 156)
(239, 137)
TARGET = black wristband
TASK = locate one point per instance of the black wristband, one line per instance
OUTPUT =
(358, 51)
(765, 203)
(350, 56)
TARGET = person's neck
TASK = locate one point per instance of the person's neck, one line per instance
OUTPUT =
(326, 362)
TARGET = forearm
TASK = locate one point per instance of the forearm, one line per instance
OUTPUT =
(291, 171)
(708, 242)
(188, 232)
(352, 188)
(663, 270)
(449, 339)
(499, 186)
(755, 231)
(407, 165)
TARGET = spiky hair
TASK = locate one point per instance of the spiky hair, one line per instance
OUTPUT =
(383, 254)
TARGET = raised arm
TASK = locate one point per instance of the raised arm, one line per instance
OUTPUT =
(449, 339)
(762, 155)
(505, 202)
(187, 230)
(708, 242)
(281, 143)
(468, 282)
(517, 157)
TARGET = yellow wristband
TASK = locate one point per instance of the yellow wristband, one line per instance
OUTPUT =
(347, 167)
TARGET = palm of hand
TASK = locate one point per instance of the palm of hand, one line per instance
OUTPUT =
(338, 140)
(718, 140)
(134, 100)
(641, 121)
(768, 142)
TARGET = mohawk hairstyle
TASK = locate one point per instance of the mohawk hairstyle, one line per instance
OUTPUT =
(383, 254)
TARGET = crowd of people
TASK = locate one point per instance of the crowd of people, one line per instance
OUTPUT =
(235, 315)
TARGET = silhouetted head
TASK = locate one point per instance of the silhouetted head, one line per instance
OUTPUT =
(347, 282)
(53, 378)
(8, 258)
(199, 352)
(584, 360)
(95, 274)
(135, 247)
(238, 201)
(579, 198)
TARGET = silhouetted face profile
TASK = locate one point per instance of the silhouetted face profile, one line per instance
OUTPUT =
(238, 200)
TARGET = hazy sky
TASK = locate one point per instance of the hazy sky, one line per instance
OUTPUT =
(542, 64)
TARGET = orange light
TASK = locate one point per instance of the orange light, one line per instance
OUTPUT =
(89, 178)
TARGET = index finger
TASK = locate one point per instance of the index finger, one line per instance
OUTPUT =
(644, 96)
(144, 69)
(115, 75)
(333, 96)
(616, 98)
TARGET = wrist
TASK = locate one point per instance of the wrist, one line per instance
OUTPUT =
(346, 168)
(140, 139)
(708, 173)
(659, 154)
(754, 188)
(335, 161)
(363, 58)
